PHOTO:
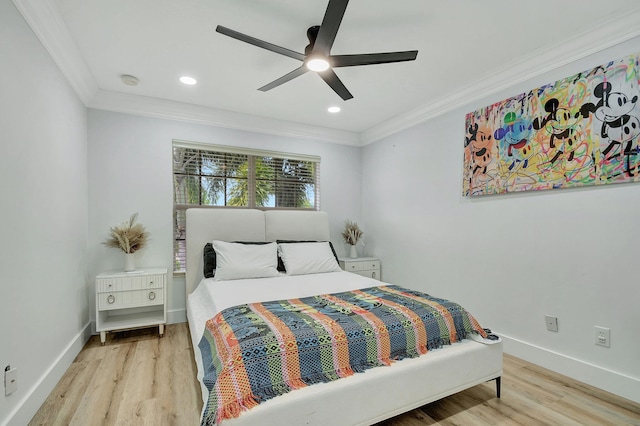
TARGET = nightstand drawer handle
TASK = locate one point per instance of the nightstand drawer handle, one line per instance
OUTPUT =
(152, 295)
(150, 282)
(373, 275)
(111, 299)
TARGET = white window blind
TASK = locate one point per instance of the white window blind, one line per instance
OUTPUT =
(221, 176)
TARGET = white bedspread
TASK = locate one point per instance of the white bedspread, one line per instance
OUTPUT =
(212, 296)
(406, 385)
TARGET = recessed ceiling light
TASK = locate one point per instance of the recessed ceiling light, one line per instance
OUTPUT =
(317, 64)
(188, 80)
(333, 109)
(129, 80)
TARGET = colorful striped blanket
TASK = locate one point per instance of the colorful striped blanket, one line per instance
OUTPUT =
(256, 351)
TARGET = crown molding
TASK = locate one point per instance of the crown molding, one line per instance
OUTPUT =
(533, 65)
(171, 110)
(48, 25)
(46, 22)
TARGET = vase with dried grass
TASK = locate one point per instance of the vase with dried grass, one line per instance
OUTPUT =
(128, 237)
(351, 235)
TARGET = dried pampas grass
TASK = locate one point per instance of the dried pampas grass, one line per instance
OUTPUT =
(128, 237)
(352, 233)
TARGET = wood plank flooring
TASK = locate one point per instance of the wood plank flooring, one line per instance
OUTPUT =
(137, 378)
(140, 379)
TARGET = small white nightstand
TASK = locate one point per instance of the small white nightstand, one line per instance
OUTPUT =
(131, 300)
(365, 266)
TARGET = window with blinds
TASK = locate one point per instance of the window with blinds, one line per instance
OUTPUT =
(220, 176)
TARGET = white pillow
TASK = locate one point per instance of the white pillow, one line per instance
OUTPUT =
(236, 261)
(308, 258)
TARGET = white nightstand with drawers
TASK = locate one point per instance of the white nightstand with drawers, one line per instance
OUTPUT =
(131, 300)
(365, 266)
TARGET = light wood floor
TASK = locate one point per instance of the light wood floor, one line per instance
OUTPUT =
(140, 379)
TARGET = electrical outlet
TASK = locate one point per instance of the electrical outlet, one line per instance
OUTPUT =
(552, 323)
(10, 380)
(603, 337)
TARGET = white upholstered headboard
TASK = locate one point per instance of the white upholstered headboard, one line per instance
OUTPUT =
(207, 224)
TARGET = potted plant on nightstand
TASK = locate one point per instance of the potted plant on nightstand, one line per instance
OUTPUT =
(351, 235)
(128, 237)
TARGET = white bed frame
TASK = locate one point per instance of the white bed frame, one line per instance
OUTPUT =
(361, 399)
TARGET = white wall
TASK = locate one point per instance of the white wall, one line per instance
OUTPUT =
(63, 188)
(130, 170)
(43, 178)
(511, 259)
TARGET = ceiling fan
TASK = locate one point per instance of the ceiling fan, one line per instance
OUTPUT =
(317, 55)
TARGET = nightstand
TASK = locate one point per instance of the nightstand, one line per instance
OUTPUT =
(134, 299)
(365, 266)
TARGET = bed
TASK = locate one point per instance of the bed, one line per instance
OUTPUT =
(360, 399)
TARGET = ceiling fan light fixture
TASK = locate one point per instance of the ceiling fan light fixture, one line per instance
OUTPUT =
(317, 64)
(317, 55)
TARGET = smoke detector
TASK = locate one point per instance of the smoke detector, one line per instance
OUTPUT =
(129, 80)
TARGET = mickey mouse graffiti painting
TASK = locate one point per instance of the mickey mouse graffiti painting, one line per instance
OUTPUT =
(620, 129)
(581, 130)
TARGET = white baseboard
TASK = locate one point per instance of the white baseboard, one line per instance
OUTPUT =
(611, 381)
(33, 399)
(176, 316)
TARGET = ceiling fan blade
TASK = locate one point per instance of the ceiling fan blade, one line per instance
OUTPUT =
(330, 77)
(329, 27)
(287, 77)
(372, 58)
(259, 43)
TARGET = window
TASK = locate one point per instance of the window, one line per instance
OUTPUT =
(221, 176)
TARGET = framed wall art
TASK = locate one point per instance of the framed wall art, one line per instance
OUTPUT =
(581, 130)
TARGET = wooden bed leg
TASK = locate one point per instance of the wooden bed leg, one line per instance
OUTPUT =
(498, 382)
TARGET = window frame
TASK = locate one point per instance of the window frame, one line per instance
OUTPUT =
(179, 235)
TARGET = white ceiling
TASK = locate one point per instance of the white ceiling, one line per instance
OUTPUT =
(467, 48)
